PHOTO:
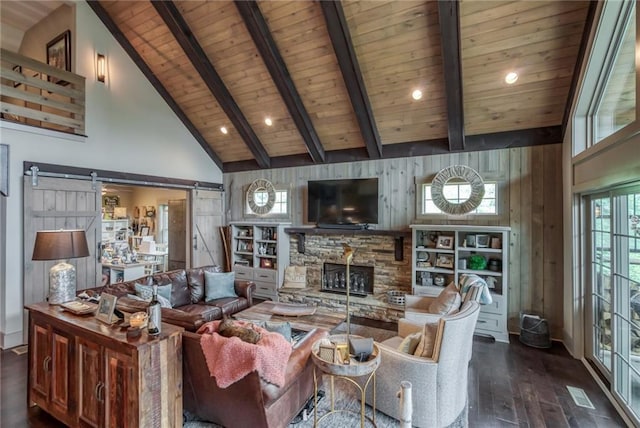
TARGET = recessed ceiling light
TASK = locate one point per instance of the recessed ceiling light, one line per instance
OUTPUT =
(224, 130)
(268, 121)
(511, 78)
(417, 94)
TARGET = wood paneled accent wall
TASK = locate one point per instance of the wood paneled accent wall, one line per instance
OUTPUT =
(530, 200)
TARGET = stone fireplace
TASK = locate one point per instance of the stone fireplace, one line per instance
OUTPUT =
(334, 279)
(375, 251)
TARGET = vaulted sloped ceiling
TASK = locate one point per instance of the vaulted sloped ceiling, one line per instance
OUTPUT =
(336, 78)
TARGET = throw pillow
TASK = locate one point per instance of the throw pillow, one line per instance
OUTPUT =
(218, 285)
(164, 303)
(295, 277)
(410, 343)
(447, 301)
(146, 291)
(427, 340)
(284, 328)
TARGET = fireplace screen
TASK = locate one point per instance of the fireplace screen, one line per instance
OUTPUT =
(334, 279)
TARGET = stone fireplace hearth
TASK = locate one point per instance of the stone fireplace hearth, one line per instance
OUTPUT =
(375, 252)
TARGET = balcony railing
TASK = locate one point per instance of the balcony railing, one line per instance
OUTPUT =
(37, 94)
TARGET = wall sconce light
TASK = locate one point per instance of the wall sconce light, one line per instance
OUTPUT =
(101, 68)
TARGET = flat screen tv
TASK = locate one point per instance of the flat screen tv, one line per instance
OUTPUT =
(349, 202)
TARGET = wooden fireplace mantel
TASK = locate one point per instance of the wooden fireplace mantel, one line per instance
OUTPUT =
(398, 236)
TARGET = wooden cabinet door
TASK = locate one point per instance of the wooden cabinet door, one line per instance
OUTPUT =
(90, 386)
(40, 365)
(121, 391)
(62, 397)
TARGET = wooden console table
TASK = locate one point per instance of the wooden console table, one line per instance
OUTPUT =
(87, 373)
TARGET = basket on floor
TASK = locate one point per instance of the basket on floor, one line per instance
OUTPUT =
(534, 331)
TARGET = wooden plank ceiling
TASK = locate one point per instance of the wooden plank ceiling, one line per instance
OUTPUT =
(336, 78)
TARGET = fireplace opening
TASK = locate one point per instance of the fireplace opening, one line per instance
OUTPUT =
(334, 279)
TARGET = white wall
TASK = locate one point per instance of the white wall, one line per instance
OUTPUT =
(129, 128)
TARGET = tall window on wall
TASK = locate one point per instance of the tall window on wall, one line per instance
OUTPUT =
(616, 107)
(614, 220)
(460, 192)
(607, 101)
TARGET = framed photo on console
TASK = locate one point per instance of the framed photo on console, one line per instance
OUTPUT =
(106, 307)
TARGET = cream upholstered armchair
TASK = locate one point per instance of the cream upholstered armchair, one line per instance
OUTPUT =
(470, 287)
(439, 381)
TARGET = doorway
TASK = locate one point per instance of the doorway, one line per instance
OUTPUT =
(613, 318)
(139, 222)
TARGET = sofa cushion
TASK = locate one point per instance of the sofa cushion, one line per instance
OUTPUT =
(410, 343)
(229, 305)
(180, 294)
(145, 292)
(218, 285)
(195, 277)
(282, 327)
(427, 340)
(164, 303)
(447, 301)
(207, 312)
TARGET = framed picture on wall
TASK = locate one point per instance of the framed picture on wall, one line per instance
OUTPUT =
(59, 55)
(144, 231)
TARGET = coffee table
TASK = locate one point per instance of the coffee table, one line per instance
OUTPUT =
(321, 318)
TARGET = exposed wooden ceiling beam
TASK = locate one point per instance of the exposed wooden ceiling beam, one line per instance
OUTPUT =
(155, 82)
(494, 141)
(348, 62)
(259, 30)
(181, 31)
(511, 139)
(582, 57)
(449, 14)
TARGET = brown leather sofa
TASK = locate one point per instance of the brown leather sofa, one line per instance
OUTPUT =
(189, 309)
(250, 402)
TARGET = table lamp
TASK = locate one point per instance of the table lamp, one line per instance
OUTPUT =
(61, 245)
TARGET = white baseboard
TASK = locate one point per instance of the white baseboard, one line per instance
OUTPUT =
(10, 340)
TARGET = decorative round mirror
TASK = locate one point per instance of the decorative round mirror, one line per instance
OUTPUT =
(457, 174)
(261, 195)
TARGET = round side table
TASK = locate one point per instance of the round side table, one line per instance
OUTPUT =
(347, 372)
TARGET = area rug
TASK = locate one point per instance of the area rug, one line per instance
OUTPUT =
(346, 395)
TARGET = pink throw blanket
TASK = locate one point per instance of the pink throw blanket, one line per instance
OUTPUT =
(229, 359)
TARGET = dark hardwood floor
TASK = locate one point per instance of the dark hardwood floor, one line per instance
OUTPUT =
(509, 385)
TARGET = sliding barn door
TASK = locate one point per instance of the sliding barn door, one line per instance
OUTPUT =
(207, 217)
(58, 203)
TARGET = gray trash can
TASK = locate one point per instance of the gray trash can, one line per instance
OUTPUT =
(534, 331)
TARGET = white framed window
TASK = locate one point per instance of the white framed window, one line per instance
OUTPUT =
(607, 98)
(459, 192)
(280, 206)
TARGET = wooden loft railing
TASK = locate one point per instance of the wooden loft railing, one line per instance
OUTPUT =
(37, 94)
